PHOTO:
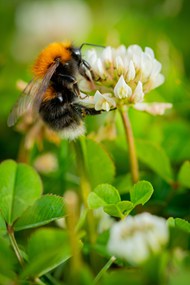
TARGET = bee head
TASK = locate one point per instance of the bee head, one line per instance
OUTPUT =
(76, 54)
(83, 66)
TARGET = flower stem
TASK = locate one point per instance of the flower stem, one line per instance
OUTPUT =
(131, 145)
(15, 245)
(104, 269)
(38, 281)
(85, 188)
(71, 202)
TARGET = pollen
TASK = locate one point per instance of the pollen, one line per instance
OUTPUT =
(49, 55)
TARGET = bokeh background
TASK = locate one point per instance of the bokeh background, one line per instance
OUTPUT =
(164, 25)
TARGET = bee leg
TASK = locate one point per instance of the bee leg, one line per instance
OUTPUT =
(84, 111)
(91, 111)
(71, 83)
(76, 89)
(87, 65)
(67, 79)
(86, 71)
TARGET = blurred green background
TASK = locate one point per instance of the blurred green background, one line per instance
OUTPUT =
(27, 26)
(164, 25)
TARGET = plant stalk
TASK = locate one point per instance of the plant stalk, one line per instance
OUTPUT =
(85, 190)
(71, 201)
(15, 245)
(38, 281)
(131, 145)
(104, 269)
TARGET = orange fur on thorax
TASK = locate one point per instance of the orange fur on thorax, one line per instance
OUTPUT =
(48, 56)
(49, 94)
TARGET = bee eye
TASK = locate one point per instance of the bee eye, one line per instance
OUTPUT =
(76, 54)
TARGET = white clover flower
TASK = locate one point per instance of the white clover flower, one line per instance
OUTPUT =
(153, 108)
(126, 74)
(122, 89)
(130, 72)
(138, 94)
(99, 67)
(107, 56)
(104, 101)
(136, 238)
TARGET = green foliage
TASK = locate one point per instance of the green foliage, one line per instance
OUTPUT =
(119, 210)
(7, 262)
(184, 174)
(99, 164)
(162, 146)
(22, 208)
(20, 186)
(46, 249)
(141, 192)
(155, 158)
(3, 228)
(45, 210)
(121, 277)
(103, 194)
(181, 277)
(108, 197)
(179, 224)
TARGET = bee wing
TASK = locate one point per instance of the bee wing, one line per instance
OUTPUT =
(24, 102)
(44, 84)
(32, 96)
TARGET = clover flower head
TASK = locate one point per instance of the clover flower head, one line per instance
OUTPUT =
(126, 74)
(103, 101)
(122, 89)
(136, 238)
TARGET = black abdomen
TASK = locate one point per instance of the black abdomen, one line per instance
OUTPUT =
(59, 115)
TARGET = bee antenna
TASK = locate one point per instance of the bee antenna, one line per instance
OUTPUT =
(88, 44)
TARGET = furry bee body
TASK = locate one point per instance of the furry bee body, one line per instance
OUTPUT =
(55, 93)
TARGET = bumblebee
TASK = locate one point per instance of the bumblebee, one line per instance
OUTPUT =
(54, 93)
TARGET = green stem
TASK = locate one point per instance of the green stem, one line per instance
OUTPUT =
(131, 145)
(84, 183)
(39, 282)
(104, 269)
(85, 188)
(15, 245)
(71, 202)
